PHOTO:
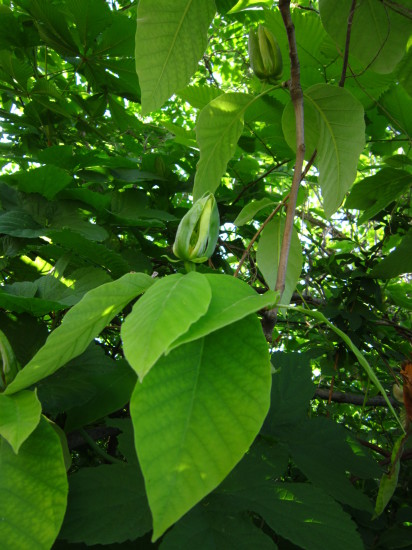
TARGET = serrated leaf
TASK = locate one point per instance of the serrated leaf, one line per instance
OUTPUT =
(268, 255)
(118, 488)
(80, 326)
(196, 414)
(164, 313)
(18, 223)
(232, 300)
(334, 126)
(33, 490)
(249, 211)
(218, 129)
(170, 40)
(19, 417)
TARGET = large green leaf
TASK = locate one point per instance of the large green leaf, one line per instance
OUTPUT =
(297, 511)
(249, 211)
(292, 389)
(33, 491)
(218, 129)
(268, 255)
(164, 313)
(231, 301)
(19, 416)
(118, 488)
(397, 262)
(301, 513)
(170, 40)
(196, 414)
(204, 528)
(112, 382)
(326, 465)
(46, 180)
(334, 126)
(79, 327)
(378, 34)
(374, 193)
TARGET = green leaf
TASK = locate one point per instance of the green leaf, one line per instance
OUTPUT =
(95, 253)
(373, 194)
(218, 129)
(398, 105)
(326, 465)
(389, 480)
(79, 327)
(199, 96)
(19, 417)
(204, 528)
(334, 126)
(358, 354)
(297, 511)
(18, 223)
(268, 255)
(164, 313)
(46, 180)
(245, 4)
(196, 414)
(33, 490)
(112, 382)
(232, 300)
(378, 35)
(118, 488)
(170, 40)
(397, 262)
(292, 389)
(249, 211)
(35, 306)
(302, 514)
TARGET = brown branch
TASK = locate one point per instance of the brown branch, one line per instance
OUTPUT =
(258, 232)
(296, 95)
(353, 398)
(347, 43)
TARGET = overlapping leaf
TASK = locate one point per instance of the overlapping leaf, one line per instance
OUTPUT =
(196, 414)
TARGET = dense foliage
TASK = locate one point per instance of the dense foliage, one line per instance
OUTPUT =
(149, 401)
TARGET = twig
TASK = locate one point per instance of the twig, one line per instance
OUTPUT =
(260, 178)
(98, 450)
(258, 232)
(347, 43)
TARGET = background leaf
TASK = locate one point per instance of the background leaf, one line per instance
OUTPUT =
(268, 255)
(80, 326)
(119, 487)
(218, 129)
(170, 40)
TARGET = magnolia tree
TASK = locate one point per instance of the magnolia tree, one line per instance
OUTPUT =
(205, 241)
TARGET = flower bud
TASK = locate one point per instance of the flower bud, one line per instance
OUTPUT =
(198, 231)
(264, 54)
(9, 366)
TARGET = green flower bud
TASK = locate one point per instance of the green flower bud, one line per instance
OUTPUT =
(198, 231)
(264, 54)
(9, 366)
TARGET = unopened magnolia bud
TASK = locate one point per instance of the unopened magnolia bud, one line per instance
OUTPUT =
(198, 231)
(264, 54)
